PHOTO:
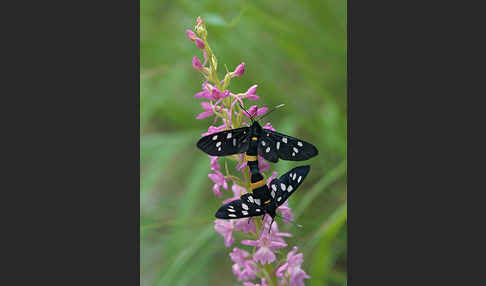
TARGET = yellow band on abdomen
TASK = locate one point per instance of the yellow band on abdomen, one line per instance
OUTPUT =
(257, 184)
(250, 158)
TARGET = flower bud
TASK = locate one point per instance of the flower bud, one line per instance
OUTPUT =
(196, 63)
(240, 69)
(199, 43)
(190, 34)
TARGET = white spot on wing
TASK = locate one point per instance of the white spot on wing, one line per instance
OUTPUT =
(283, 186)
(229, 136)
(293, 154)
(272, 194)
(268, 149)
(215, 137)
(250, 198)
(274, 187)
(296, 150)
(257, 201)
(244, 206)
(295, 174)
(232, 215)
(257, 210)
(284, 139)
(300, 144)
(234, 142)
(231, 210)
(244, 212)
(290, 188)
(219, 149)
(298, 180)
(278, 199)
(218, 144)
(263, 143)
(278, 145)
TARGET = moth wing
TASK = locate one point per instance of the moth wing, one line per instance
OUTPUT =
(285, 147)
(225, 143)
(244, 207)
(282, 188)
(267, 148)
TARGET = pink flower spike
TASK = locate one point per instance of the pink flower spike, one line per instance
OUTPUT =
(196, 63)
(199, 43)
(191, 35)
(225, 228)
(251, 93)
(239, 71)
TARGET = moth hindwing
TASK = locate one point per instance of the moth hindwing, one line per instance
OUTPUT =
(282, 188)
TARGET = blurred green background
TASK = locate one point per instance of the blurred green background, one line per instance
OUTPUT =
(296, 52)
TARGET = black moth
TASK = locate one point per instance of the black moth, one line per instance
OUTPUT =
(271, 145)
(265, 200)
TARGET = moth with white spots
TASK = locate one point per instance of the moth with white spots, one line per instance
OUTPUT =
(266, 202)
(271, 145)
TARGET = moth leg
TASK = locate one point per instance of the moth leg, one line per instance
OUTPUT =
(270, 225)
(249, 219)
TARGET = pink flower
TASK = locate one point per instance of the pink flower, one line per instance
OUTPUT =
(240, 69)
(206, 93)
(255, 111)
(245, 224)
(219, 181)
(191, 35)
(267, 243)
(217, 94)
(286, 212)
(263, 283)
(199, 43)
(251, 93)
(268, 126)
(243, 268)
(208, 110)
(238, 191)
(225, 228)
(262, 164)
(199, 20)
(274, 234)
(196, 63)
(213, 129)
(291, 268)
(214, 163)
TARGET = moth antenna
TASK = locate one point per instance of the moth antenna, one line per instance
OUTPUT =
(273, 109)
(241, 106)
